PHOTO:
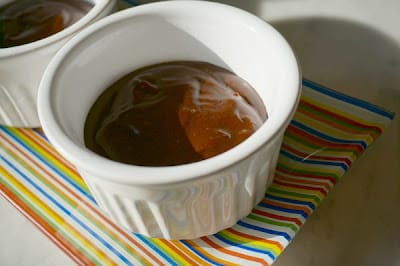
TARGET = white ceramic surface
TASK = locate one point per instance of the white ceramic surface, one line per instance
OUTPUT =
(186, 201)
(21, 68)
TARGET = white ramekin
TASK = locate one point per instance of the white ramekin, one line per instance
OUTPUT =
(22, 67)
(185, 201)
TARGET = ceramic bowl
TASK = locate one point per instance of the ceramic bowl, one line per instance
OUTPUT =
(22, 67)
(185, 201)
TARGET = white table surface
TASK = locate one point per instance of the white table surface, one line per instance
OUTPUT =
(352, 46)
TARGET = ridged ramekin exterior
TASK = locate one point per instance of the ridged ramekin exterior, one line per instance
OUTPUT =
(193, 208)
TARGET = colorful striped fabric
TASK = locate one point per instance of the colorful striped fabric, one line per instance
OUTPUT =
(328, 133)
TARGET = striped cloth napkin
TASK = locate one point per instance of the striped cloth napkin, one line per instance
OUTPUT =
(328, 133)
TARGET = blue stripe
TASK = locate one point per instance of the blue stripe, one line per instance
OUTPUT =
(327, 137)
(199, 254)
(264, 230)
(38, 132)
(38, 156)
(309, 204)
(308, 161)
(229, 242)
(304, 172)
(348, 99)
(282, 209)
(162, 254)
(67, 212)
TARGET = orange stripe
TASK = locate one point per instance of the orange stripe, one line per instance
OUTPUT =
(208, 255)
(44, 144)
(234, 253)
(372, 130)
(81, 200)
(316, 140)
(58, 163)
(50, 232)
(283, 205)
(305, 191)
(48, 149)
(301, 154)
(176, 250)
(300, 187)
(189, 252)
(306, 174)
(276, 216)
(66, 225)
(303, 181)
(255, 238)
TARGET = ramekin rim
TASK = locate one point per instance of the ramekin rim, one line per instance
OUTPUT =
(97, 9)
(122, 173)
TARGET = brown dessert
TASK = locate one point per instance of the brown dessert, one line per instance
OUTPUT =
(173, 113)
(25, 21)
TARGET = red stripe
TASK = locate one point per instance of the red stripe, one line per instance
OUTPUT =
(256, 238)
(82, 200)
(43, 226)
(48, 149)
(316, 157)
(294, 180)
(95, 210)
(233, 253)
(300, 186)
(324, 143)
(362, 133)
(347, 120)
(205, 253)
(194, 256)
(277, 217)
(176, 250)
(292, 172)
(287, 206)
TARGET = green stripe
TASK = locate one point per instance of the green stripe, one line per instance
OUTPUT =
(45, 155)
(248, 244)
(74, 206)
(306, 172)
(172, 254)
(60, 230)
(337, 153)
(294, 194)
(273, 222)
(317, 147)
(330, 118)
(331, 130)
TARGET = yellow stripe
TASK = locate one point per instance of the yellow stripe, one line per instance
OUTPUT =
(50, 149)
(326, 170)
(57, 219)
(254, 243)
(329, 152)
(317, 102)
(48, 157)
(51, 154)
(362, 135)
(171, 253)
(300, 191)
(75, 204)
(189, 253)
(208, 255)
